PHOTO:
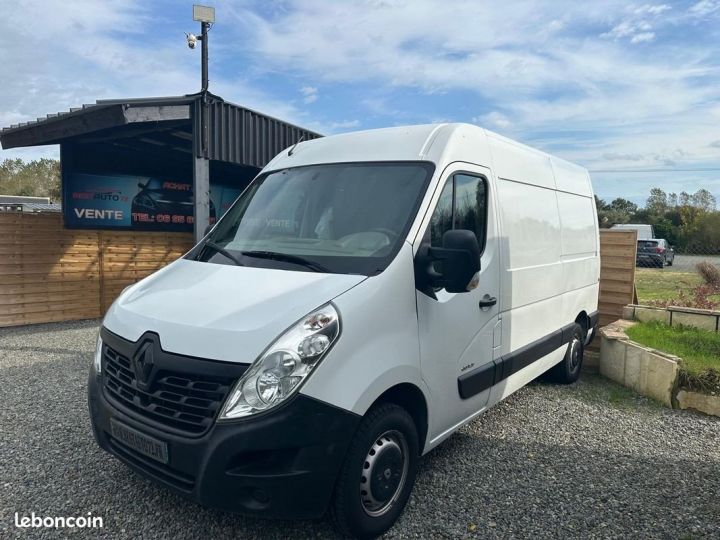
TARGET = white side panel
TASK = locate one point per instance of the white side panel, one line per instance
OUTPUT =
(530, 225)
(378, 343)
(578, 224)
(523, 325)
(530, 243)
(578, 300)
(581, 272)
(514, 161)
(521, 378)
(571, 178)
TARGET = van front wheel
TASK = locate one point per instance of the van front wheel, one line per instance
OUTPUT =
(568, 370)
(378, 474)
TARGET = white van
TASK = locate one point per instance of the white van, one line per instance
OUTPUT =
(366, 296)
(644, 232)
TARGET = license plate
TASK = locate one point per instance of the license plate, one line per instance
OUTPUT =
(146, 445)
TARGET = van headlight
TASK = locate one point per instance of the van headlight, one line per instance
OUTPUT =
(278, 373)
(97, 359)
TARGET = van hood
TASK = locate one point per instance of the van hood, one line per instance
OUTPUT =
(221, 312)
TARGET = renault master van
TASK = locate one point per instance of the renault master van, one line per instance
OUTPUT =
(366, 296)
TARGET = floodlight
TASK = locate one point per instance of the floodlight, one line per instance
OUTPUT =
(204, 14)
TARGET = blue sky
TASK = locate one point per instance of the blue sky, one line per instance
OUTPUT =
(611, 85)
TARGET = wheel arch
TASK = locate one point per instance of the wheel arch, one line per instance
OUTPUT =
(583, 319)
(411, 398)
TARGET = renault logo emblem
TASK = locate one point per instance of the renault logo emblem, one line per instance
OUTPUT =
(143, 364)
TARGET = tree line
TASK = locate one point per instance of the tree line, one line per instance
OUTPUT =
(690, 222)
(36, 178)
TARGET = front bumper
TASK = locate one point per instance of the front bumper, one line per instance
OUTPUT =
(280, 464)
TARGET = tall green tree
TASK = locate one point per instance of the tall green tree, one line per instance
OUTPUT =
(37, 178)
(657, 202)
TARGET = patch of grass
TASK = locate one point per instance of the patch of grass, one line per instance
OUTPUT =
(621, 397)
(656, 284)
(699, 350)
(596, 389)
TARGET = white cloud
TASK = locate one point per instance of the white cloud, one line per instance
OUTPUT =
(538, 71)
(539, 63)
(650, 9)
(55, 58)
(493, 120)
(643, 37)
(343, 125)
(310, 94)
(705, 7)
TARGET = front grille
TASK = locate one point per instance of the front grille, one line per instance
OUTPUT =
(182, 402)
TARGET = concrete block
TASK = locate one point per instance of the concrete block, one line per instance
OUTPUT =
(660, 375)
(612, 359)
(648, 314)
(634, 364)
(699, 402)
(698, 320)
(628, 313)
(648, 372)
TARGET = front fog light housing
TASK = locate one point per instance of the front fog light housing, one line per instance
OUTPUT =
(277, 374)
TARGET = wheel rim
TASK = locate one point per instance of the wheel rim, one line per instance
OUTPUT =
(384, 473)
(575, 353)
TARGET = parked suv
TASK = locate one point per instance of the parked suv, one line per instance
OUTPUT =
(656, 252)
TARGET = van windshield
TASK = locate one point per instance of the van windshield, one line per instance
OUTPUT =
(348, 218)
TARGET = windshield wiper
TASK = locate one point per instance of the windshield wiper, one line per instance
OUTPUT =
(222, 251)
(286, 257)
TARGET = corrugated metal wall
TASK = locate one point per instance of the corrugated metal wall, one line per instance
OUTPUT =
(239, 135)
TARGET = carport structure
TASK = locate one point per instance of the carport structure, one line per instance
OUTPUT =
(199, 134)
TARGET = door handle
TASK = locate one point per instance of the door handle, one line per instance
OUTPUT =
(487, 301)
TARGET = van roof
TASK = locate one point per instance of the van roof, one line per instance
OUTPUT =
(442, 144)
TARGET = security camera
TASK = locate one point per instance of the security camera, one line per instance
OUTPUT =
(191, 40)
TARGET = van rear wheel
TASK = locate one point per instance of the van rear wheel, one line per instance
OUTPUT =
(568, 370)
(378, 475)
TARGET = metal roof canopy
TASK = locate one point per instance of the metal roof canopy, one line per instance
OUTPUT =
(156, 126)
(235, 134)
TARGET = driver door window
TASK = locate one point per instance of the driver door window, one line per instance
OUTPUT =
(462, 205)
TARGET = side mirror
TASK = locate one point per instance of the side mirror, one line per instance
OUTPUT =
(459, 259)
(141, 185)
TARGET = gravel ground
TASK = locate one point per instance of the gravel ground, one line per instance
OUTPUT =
(588, 461)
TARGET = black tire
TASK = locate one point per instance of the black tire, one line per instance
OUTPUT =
(669, 263)
(394, 468)
(568, 370)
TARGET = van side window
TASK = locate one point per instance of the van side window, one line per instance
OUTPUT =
(442, 218)
(462, 205)
(470, 205)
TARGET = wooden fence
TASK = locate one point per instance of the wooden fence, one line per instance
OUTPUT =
(49, 274)
(617, 273)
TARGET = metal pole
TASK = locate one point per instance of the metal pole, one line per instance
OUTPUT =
(204, 38)
(201, 165)
(204, 90)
